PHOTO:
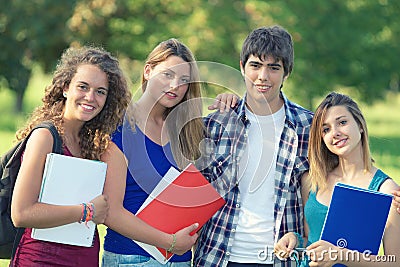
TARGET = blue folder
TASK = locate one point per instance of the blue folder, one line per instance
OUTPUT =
(356, 218)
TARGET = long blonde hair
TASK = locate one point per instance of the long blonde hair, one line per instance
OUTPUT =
(95, 134)
(185, 125)
(323, 161)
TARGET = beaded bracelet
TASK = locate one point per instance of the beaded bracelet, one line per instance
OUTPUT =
(300, 240)
(87, 212)
(91, 210)
(171, 248)
(84, 213)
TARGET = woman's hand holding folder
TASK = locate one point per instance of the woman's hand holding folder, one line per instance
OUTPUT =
(185, 241)
(100, 209)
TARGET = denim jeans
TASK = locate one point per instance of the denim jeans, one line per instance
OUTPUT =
(119, 260)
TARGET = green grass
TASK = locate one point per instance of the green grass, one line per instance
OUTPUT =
(384, 131)
(382, 118)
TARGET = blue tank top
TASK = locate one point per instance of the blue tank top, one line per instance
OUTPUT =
(315, 212)
(147, 164)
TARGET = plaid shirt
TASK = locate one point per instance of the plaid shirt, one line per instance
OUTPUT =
(225, 146)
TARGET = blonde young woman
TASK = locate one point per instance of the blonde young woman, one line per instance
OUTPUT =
(339, 152)
(162, 129)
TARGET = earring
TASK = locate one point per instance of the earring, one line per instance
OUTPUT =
(65, 94)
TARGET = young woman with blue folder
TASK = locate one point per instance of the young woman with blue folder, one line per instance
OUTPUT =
(339, 152)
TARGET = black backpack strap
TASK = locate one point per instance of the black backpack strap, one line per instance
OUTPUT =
(57, 141)
(9, 162)
(57, 148)
(20, 148)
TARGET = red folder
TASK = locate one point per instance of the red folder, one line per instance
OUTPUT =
(190, 198)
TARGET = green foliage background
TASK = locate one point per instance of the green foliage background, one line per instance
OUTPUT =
(349, 46)
(339, 44)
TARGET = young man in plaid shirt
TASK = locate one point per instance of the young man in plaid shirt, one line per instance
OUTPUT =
(255, 156)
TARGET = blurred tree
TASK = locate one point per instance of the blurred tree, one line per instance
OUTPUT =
(213, 29)
(31, 32)
(344, 44)
(349, 44)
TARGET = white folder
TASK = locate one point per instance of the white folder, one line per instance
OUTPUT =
(70, 181)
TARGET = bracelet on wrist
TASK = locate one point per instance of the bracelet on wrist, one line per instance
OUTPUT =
(84, 213)
(173, 243)
(90, 207)
(171, 248)
(87, 212)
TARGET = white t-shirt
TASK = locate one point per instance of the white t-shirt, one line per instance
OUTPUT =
(257, 168)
